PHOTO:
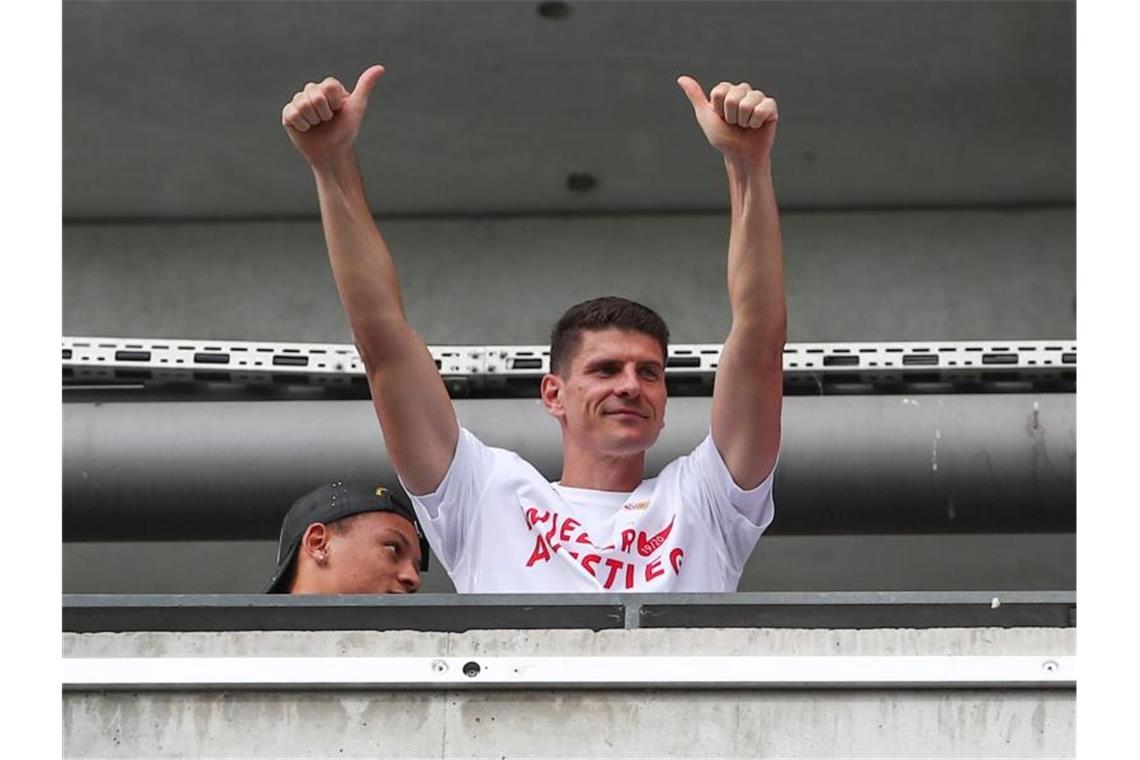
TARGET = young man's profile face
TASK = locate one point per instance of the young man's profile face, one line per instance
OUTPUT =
(377, 553)
(612, 398)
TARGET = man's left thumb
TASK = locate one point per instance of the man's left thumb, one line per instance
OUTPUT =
(367, 81)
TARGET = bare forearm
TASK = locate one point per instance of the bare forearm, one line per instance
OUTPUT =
(362, 265)
(747, 397)
(740, 122)
(412, 405)
(755, 257)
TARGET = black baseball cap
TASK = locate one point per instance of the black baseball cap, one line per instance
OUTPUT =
(330, 502)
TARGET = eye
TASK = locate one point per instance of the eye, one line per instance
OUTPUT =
(650, 373)
(393, 548)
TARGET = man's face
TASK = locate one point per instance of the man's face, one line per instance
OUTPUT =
(378, 553)
(612, 399)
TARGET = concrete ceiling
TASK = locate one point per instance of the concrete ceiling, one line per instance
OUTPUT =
(171, 109)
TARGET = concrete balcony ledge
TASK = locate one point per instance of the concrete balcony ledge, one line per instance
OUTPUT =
(324, 714)
(453, 613)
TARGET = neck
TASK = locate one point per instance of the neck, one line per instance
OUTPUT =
(582, 468)
(305, 581)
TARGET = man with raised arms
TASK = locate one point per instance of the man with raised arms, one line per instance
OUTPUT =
(494, 522)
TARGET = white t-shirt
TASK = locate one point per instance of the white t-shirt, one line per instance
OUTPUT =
(497, 525)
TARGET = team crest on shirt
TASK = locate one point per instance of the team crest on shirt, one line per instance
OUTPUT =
(636, 506)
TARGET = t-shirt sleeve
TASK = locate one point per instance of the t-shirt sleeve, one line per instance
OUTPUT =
(737, 516)
(446, 514)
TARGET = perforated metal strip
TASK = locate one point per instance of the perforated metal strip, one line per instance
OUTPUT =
(131, 359)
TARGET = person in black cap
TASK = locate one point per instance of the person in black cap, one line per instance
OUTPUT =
(349, 538)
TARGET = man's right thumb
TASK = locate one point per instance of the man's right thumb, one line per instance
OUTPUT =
(367, 81)
(693, 91)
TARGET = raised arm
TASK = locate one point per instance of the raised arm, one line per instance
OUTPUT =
(415, 412)
(740, 122)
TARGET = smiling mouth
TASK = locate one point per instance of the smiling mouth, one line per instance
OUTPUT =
(626, 413)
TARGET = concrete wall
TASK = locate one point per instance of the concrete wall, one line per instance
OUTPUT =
(575, 723)
(871, 100)
(902, 275)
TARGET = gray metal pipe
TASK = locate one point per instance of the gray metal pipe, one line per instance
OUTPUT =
(874, 464)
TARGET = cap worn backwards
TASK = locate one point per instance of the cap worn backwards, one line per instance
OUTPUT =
(333, 501)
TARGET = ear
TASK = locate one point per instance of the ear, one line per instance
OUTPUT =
(315, 542)
(551, 392)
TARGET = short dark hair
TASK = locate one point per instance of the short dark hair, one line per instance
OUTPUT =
(343, 525)
(340, 526)
(607, 312)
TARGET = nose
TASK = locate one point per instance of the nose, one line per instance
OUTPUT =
(409, 577)
(629, 385)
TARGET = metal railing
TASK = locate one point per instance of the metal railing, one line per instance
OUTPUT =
(463, 612)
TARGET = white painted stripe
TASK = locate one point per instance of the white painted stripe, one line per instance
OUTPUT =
(583, 672)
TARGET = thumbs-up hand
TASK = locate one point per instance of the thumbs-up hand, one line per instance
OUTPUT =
(738, 121)
(323, 119)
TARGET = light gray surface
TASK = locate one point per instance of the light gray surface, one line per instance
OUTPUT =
(882, 104)
(1011, 562)
(578, 643)
(929, 275)
(172, 109)
(609, 724)
(599, 723)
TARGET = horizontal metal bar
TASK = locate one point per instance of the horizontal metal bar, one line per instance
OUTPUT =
(504, 370)
(792, 599)
(1004, 615)
(461, 612)
(1002, 463)
(1044, 609)
(781, 672)
(424, 612)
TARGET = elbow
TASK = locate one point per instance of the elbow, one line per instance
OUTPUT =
(762, 319)
(764, 337)
(377, 343)
(779, 333)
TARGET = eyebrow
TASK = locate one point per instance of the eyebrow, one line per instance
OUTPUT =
(389, 532)
(610, 361)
